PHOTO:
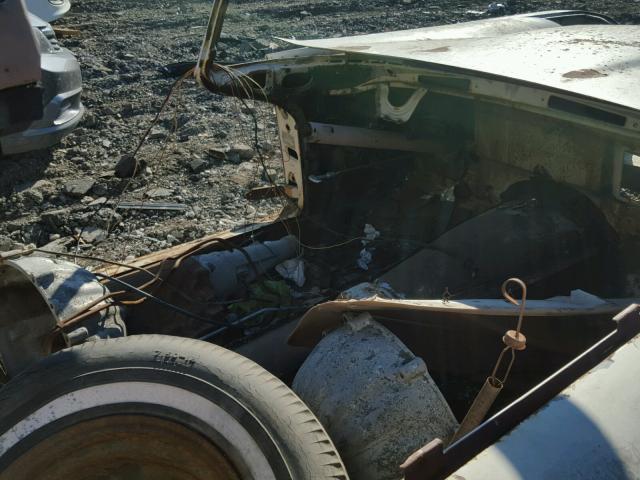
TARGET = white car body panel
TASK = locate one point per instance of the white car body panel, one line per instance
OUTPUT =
(48, 10)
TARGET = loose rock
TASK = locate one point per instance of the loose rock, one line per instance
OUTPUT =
(93, 235)
(6, 243)
(56, 218)
(198, 165)
(124, 85)
(80, 187)
(159, 193)
(126, 167)
(244, 151)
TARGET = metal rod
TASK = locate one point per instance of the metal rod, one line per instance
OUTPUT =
(159, 301)
(248, 317)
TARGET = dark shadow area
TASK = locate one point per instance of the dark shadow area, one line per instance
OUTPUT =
(19, 172)
(562, 441)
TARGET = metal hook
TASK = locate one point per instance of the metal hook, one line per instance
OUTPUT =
(513, 339)
(515, 302)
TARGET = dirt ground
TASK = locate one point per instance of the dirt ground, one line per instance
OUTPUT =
(126, 49)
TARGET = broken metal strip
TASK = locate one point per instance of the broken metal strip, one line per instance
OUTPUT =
(151, 206)
(271, 191)
(346, 136)
(327, 316)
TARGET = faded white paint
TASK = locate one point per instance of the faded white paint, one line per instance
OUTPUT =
(590, 430)
(599, 61)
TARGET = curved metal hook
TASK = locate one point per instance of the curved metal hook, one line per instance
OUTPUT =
(510, 299)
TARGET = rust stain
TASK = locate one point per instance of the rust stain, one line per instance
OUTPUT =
(584, 73)
(356, 48)
(601, 42)
(438, 50)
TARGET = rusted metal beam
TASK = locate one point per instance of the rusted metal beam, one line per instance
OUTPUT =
(346, 136)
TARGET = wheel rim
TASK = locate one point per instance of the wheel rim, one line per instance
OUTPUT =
(124, 447)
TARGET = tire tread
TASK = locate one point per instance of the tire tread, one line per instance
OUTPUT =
(301, 437)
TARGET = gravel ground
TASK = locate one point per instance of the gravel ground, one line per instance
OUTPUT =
(124, 49)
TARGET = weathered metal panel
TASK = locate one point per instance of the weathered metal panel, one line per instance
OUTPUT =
(591, 430)
(66, 287)
(598, 61)
(38, 294)
(569, 153)
(326, 316)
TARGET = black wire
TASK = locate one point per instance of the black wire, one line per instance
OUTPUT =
(93, 258)
(248, 317)
(139, 145)
(159, 301)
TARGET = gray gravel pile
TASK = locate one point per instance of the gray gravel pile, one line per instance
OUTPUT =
(200, 158)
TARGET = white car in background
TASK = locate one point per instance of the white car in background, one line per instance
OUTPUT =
(59, 83)
(48, 10)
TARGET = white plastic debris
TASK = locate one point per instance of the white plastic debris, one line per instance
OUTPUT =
(292, 269)
(364, 259)
(366, 254)
(369, 290)
(370, 234)
(448, 195)
(496, 8)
